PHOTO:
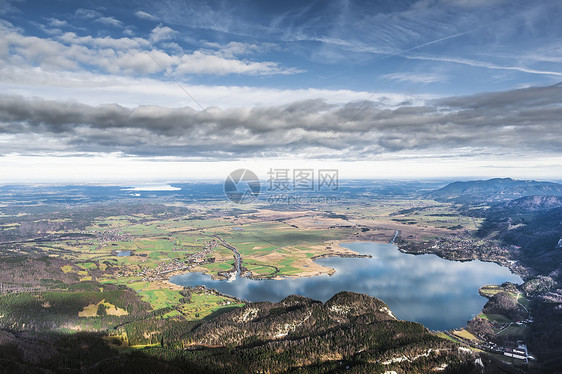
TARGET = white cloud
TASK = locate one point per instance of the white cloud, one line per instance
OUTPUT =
(112, 167)
(128, 31)
(160, 33)
(98, 17)
(145, 15)
(109, 21)
(234, 49)
(202, 63)
(472, 3)
(105, 42)
(87, 13)
(415, 78)
(94, 89)
(57, 22)
(140, 62)
(133, 56)
(487, 65)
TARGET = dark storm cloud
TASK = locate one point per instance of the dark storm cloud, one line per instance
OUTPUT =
(525, 119)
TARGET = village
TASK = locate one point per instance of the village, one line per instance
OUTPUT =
(162, 269)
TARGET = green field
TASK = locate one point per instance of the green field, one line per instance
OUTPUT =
(161, 298)
(270, 242)
(500, 318)
(515, 331)
(203, 304)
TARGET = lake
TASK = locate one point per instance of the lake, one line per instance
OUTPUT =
(439, 293)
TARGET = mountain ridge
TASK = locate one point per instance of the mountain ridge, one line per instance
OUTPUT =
(494, 190)
(532, 203)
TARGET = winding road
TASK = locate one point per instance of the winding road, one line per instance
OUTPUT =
(236, 254)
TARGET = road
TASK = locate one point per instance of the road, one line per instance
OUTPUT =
(524, 307)
(395, 236)
(236, 254)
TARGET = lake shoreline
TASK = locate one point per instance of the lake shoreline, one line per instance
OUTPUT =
(408, 284)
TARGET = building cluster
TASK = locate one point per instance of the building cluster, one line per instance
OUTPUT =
(165, 267)
(108, 236)
(456, 247)
(520, 352)
(199, 257)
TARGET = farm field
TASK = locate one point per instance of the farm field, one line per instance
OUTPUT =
(139, 252)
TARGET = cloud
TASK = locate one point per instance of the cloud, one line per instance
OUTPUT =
(133, 56)
(87, 13)
(145, 15)
(487, 65)
(109, 21)
(415, 78)
(97, 17)
(131, 91)
(501, 123)
(54, 22)
(472, 3)
(202, 63)
(233, 49)
(466, 4)
(72, 39)
(160, 33)
(7, 7)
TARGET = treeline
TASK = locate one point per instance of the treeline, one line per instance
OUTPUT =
(302, 333)
(350, 332)
(43, 311)
(17, 269)
(38, 224)
(536, 232)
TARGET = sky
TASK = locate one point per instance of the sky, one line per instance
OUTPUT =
(99, 91)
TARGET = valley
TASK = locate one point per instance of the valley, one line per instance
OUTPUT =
(104, 268)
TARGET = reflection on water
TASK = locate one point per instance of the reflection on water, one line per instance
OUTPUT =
(439, 293)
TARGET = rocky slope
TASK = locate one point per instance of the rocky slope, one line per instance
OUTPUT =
(350, 332)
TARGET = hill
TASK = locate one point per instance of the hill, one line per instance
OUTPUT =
(350, 332)
(531, 203)
(532, 225)
(494, 190)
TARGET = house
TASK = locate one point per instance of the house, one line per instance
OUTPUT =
(515, 353)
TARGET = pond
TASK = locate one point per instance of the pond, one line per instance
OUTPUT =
(439, 293)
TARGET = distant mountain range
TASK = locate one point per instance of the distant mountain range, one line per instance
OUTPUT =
(494, 190)
(527, 214)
